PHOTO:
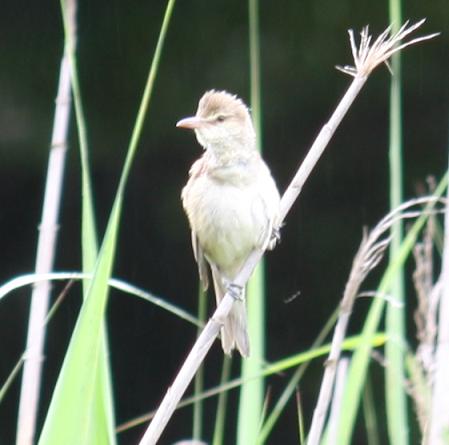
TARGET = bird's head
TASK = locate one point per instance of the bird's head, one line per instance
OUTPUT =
(221, 123)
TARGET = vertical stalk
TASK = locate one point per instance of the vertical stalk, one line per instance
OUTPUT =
(219, 427)
(199, 377)
(369, 414)
(31, 377)
(396, 402)
(251, 393)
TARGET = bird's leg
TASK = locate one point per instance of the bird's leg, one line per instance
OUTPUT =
(235, 291)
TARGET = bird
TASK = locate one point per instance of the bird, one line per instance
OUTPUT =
(231, 201)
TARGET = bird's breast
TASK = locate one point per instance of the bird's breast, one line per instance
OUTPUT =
(229, 218)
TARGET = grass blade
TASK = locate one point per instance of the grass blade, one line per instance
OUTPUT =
(69, 419)
(350, 344)
(369, 413)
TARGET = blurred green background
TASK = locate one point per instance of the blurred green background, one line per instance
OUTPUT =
(207, 47)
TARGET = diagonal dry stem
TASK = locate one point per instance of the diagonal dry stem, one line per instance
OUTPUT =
(370, 60)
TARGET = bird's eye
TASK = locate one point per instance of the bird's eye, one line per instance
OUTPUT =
(221, 118)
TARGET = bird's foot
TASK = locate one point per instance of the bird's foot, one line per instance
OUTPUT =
(275, 238)
(235, 291)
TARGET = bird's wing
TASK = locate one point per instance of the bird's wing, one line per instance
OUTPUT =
(270, 202)
(265, 210)
(201, 261)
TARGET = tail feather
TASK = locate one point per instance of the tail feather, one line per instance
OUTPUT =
(234, 333)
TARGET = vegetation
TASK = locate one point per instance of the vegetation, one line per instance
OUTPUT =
(82, 404)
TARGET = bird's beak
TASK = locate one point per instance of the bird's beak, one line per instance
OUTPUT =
(190, 122)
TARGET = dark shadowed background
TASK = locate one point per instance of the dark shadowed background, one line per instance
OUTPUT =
(207, 47)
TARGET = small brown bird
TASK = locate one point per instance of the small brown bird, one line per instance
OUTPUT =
(231, 201)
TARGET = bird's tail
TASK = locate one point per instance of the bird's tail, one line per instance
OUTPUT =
(234, 333)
